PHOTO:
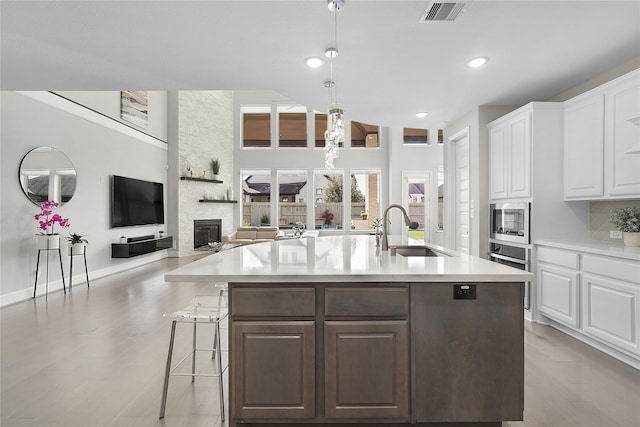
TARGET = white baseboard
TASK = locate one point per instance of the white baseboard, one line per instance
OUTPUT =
(80, 278)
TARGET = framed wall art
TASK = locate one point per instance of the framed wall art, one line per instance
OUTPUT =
(134, 107)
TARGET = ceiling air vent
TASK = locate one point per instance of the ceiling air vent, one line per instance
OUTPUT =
(441, 12)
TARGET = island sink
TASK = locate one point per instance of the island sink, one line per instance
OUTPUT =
(413, 251)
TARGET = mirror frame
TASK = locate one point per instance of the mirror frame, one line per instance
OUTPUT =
(52, 163)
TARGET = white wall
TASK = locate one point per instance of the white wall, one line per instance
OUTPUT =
(99, 148)
(476, 120)
(108, 103)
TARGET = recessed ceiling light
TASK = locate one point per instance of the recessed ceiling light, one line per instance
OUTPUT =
(477, 62)
(314, 62)
(421, 114)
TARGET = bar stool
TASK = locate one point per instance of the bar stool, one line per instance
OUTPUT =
(201, 309)
(86, 270)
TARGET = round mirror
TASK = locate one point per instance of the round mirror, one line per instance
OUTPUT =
(47, 174)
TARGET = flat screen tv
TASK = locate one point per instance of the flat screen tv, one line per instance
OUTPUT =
(136, 202)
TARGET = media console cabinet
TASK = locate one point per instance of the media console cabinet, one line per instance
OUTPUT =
(140, 245)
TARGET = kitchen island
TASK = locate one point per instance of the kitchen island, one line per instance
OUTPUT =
(332, 330)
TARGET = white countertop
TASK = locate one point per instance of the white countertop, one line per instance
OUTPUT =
(353, 258)
(595, 247)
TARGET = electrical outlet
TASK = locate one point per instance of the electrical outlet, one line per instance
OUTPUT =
(615, 234)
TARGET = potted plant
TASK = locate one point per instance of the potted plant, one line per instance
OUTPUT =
(627, 220)
(364, 215)
(77, 242)
(264, 220)
(215, 168)
(48, 238)
(328, 218)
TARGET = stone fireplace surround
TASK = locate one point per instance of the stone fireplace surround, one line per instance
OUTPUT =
(204, 131)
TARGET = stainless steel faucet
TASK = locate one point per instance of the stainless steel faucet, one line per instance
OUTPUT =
(407, 221)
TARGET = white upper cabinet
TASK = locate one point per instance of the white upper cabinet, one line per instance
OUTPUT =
(519, 175)
(584, 148)
(622, 138)
(510, 155)
(498, 153)
(602, 142)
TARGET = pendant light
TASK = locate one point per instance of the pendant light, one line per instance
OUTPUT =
(334, 135)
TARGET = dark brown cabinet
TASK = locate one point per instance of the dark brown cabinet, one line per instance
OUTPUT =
(469, 353)
(273, 369)
(387, 354)
(366, 369)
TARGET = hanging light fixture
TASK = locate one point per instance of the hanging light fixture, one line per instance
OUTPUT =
(334, 135)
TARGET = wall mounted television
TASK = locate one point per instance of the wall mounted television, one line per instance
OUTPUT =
(136, 202)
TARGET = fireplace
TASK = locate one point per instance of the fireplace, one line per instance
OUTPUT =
(205, 231)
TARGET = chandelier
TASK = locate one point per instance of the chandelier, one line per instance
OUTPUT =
(334, 135)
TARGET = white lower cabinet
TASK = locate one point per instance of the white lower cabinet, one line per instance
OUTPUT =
(596, 296)
(610, 311)
(558, 293)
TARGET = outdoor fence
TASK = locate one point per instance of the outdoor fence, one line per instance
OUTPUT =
(291, 212)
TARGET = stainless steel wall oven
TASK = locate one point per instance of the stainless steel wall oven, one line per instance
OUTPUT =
(516, 257)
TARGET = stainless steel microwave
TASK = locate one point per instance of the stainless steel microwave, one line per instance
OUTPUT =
(510, 222)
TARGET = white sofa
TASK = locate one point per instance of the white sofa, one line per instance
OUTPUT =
(248, 235)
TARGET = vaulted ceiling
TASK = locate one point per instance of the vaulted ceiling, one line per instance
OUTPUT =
(390, 66)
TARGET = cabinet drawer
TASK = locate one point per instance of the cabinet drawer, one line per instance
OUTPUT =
(559, 257)
(288, 302)
(612, 267)
(366, 301)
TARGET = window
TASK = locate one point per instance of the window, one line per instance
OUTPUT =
(329, 207)
(293, 196)
(364, 135)
(256, 198)
(292, 126)
(417, 187)
(256, 127)
(320, 121)
(365, 199)
(415, 136)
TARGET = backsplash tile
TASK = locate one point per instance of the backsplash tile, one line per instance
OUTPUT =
(599, 225)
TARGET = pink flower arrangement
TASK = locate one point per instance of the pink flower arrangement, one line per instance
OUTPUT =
(328, 217)
(47, 219)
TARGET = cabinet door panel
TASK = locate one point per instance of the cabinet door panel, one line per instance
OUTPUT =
(584, 148)
(519, 175)
(622, 122)
(367, 369)
(558, 293)
(273, 370)
(468, 353)
(610, 309)
(498, 166)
